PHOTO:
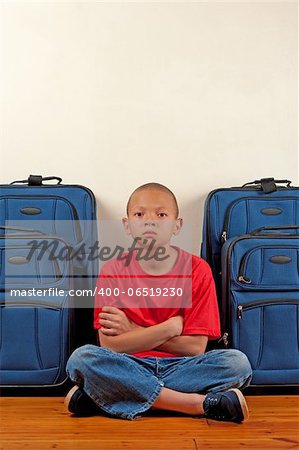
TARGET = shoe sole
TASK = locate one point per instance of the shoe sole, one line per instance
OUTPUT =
(243, 404)
(69, 396)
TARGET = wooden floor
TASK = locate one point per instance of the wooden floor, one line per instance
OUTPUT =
(38, 423)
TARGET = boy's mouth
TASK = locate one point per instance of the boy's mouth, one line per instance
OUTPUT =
(149, 233)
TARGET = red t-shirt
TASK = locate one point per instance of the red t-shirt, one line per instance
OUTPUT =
(193, 296)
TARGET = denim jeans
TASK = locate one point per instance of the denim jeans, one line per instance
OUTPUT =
(124, 386)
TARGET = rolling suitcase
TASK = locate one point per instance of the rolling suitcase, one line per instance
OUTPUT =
(260, 302)
(62, 213)
(36, 313)
(231, 212)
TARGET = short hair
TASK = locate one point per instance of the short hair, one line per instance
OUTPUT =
(157, 187)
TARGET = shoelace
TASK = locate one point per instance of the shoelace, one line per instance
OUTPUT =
(211, 409)
(212, 401)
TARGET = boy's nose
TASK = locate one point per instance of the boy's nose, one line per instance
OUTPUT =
(149, 219)
(150, 222)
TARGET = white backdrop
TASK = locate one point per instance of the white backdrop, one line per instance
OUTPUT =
(112, 95)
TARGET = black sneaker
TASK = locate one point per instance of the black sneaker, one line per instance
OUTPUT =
(78, 403)
(230, 406)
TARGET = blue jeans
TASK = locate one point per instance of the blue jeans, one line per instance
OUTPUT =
(124, 386)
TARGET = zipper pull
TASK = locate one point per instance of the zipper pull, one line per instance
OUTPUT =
(244, 279)
(224, 338)
(223, 237)
(240, 312)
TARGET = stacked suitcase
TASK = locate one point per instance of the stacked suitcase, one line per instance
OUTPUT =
(46, 232)
(251, 240)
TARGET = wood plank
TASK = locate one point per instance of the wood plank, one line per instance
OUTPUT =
(148, 445)
(42, 423)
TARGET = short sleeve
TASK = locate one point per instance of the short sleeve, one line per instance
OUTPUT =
(203, 317)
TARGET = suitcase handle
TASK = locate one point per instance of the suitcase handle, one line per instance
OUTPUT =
(28, 230)
(37, 180)
(268, 184)
(276, 228)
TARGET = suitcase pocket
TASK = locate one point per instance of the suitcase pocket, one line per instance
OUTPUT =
(30, 262)
(34, 344)
(268, 267)
(248, 213)
(57, 215)
(267, 331)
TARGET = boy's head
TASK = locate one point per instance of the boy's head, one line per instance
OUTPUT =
(152, 213)
(156, 188)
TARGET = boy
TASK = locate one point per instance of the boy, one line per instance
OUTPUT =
(152, 352)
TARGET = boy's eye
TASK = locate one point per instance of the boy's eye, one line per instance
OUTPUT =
(162, 214)
(138, 214)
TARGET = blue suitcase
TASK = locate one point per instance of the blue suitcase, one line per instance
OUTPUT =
(260, 302)
(231, 212)
(67, 212)
(36, 313)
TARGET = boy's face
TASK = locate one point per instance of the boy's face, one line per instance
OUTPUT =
(152, 215)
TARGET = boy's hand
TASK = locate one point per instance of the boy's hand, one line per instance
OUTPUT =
(114, 321)
(177, 324)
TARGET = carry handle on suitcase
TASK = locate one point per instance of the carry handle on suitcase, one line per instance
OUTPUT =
(37, 180)
(259, 231)
(268, 184)
(27, 230)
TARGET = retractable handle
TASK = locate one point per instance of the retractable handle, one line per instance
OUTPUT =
(27, 230)
(276, 228)
(37, 180)
(268, 184)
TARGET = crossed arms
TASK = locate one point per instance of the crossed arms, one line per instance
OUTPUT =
(122, 335)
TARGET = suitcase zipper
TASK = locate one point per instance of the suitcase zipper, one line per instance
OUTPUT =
(254, 304)
(224, 235)
(224, 338)
(30, 305)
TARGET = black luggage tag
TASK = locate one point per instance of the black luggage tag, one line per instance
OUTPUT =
(268, 185)
(35, 180)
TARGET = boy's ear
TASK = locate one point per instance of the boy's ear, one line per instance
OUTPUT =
(178, 226)
(125, 222)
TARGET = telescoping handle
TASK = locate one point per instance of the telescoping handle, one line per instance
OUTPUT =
(268, 184)
(275, 229)
(37, 180)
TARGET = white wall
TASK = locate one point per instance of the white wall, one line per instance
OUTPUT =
(113, 95)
